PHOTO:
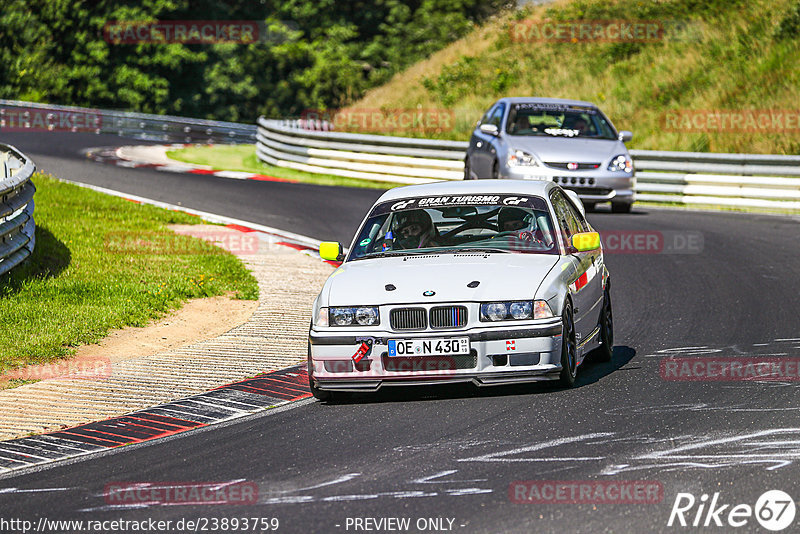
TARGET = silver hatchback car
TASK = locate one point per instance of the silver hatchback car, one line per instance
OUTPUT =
(569, 142)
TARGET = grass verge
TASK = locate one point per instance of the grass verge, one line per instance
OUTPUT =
(243, 158)
(92, 271)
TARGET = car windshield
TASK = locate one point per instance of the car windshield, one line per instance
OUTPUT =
(558, 121)
(484, 223)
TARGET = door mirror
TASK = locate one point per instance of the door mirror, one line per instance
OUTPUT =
(586, 241)
(625, 136)
(331, 251)
(490, 129)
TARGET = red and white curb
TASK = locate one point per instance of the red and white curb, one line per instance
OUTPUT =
(112, 156)
(225, 403)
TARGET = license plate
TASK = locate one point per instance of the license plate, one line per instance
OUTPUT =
(429, 347)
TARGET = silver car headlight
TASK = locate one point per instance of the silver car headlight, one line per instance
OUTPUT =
(520, 158)
(515, 310)
(356, 315)
(621, 163)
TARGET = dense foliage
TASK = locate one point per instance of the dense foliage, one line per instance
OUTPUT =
(321, 53)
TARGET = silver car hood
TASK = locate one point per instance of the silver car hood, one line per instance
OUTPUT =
(564, 149)
(502, 277)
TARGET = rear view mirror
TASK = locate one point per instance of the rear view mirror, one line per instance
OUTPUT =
(586, 241)
(490, 129)
(331, 251)
(625, 136)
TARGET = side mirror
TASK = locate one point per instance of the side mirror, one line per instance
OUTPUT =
(490, 129)
(586, 241)
(625, 136)
(331, 251)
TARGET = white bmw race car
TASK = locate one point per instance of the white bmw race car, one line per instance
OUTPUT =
(489, 282)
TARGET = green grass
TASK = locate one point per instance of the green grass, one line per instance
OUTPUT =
(724, 55)
(90, 273)
(243, 158)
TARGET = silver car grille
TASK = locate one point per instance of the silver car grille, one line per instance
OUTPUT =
(448, 317)
(408, 319)
(565, 165)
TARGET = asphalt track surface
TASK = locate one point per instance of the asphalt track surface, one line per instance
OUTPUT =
(453, 452)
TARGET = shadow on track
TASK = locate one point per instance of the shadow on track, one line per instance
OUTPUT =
(589, 373)
(50, 257)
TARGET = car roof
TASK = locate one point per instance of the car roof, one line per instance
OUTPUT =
(471, 187)
(540, 100)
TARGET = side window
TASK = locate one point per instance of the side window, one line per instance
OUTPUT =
(582, 224)
(568, 221)
(487, 116)
(497, 115)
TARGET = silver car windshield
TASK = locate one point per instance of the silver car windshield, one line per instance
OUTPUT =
(558, 121)
(491, 228)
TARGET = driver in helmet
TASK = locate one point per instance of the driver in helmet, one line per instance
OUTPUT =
(413, 229)
(512, 219)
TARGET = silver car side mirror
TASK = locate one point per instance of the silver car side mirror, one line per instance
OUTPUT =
(490, 129)
(625, 136)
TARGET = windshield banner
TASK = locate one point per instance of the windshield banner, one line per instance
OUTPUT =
(460, 200)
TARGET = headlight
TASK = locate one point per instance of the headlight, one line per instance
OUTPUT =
(511, 311)
(518, 158)
(515, 310)
(621, 163)
(495, 311)
(362, 315)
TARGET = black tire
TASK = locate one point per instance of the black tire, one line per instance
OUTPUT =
(495, 170)
(605, 351)
(467, 171)
(621, 207)
(569, 348)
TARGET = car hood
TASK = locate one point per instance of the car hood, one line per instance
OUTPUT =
(502, 277)
(564, 149)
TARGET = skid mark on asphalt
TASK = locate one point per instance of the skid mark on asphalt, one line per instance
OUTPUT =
(221, 404)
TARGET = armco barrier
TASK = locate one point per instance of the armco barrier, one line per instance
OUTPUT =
(16, 115)
(17, 230)
(746, 180)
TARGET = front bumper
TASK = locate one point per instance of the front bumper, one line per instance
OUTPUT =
(591, 185)
(498, 355)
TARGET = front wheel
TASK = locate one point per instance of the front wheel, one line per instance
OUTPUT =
(606, 350)
(496, 170)
(569, 348)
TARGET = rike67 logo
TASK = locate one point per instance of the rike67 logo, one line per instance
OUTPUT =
(774, 510)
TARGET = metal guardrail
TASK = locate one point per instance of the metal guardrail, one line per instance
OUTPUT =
(746, 180)
(17, 229)
(17, 115)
